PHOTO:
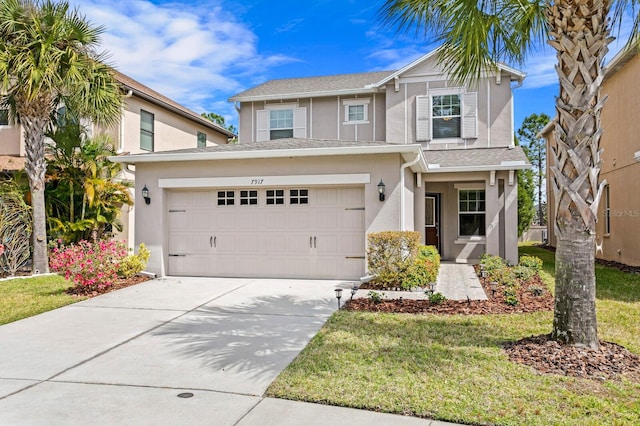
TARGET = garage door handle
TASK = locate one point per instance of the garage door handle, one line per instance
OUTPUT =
(177, 255)
(210, 241)
(315, 242)
(215, 244)
(310, 242)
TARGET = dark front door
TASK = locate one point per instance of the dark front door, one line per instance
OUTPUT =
(432, 220)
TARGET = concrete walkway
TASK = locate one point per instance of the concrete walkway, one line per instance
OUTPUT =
(456, 281)
(176, 351)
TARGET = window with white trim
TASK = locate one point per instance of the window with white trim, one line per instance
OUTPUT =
(275, 197)
(202, 140)
(248, 198)
(446, 115)
(277, 121)
(226, 198)
(607, 211)
(280, 124)
(471, 212)
(298, 196)
(146, 130)
(356, 111)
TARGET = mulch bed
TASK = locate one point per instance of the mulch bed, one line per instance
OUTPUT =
(542, 353)
(120, 283)
(610, 263)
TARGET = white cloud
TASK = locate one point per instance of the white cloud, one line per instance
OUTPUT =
(197, 54)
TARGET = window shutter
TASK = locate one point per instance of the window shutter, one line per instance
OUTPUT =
(470, 115)
(299, 122)
(262, 122)
(423, 115)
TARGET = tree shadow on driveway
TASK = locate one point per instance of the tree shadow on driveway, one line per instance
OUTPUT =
(253, 341)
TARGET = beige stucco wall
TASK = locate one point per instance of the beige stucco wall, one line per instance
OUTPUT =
(171, 131)
(11, 141)
(620, 142)
(151, 220)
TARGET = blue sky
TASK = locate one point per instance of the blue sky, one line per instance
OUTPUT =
(200, 53)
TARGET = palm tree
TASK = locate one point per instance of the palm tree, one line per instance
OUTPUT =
(47, 59)
(475, 36)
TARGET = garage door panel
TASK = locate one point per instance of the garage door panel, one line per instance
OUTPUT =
(298, 240)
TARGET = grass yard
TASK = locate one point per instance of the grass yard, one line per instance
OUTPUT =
(453, 368)
(25, 297)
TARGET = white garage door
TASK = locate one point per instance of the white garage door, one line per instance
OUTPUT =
(267, 232)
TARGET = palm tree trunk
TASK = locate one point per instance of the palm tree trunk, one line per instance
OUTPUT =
(580, 35)
(36, 166)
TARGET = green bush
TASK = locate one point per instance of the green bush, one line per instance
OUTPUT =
(437, 298)
(532, 262)
(391, 255)
(375, 297)
(134, 263)
(492, 262)
(524, 273)
(421, 273)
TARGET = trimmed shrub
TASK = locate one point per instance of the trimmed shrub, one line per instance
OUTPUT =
(89, 265)
(134, 263)
(437, 298)
(492, 262)
(524, 273)
(391, 255)
(424, 269)
(532, 262)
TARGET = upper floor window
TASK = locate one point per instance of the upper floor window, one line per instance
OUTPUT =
(446, 114)
(280, 124)
(202, 140)
(279, 121)
(4, 117)
(356, 111)
(146, 130)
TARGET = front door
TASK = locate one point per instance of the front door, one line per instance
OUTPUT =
(432, 220)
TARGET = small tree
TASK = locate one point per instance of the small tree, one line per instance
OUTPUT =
(536, 149)
(84, 195)
(525, 199)
(219, 120)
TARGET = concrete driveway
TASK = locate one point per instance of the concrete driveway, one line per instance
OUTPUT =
(125, 357)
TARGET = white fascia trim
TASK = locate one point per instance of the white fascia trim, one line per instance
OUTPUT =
(519, 75)
(277, 97)
(435, 168)
(261, 181)
(279, 153)
(636, 156)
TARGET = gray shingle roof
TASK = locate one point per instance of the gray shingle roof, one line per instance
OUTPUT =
(292, 87)
(475, 157)
(274, 145)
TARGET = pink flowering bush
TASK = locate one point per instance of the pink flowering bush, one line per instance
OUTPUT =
(89, 265)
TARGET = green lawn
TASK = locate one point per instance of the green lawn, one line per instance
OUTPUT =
(453, 368)
(22, 298)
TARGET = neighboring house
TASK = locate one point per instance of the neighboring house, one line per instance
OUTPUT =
(618, 226)
(322, 162)
(150, 122)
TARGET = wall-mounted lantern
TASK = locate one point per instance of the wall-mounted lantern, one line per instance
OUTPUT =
(381, 188)
(145, 195)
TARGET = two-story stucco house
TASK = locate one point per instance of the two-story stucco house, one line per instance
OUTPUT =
(323, 161)
(618, 226)
(150, 122)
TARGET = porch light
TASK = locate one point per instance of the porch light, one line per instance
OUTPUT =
(381, 188)
(145, 195)
(338, 295)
